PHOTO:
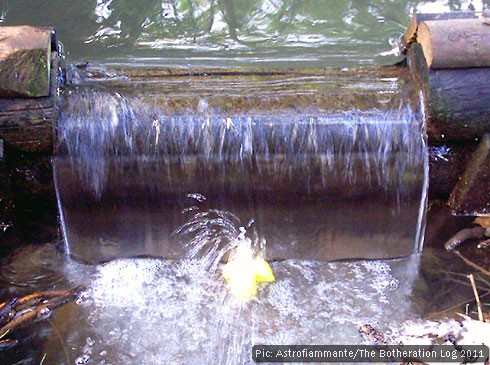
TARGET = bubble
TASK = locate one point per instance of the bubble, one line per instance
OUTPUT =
(84, 359)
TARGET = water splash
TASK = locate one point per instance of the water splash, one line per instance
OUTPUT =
(177, 311)
(165, 311)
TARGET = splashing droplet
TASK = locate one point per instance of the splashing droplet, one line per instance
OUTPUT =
(199, 197)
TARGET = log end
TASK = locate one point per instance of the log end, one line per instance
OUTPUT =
(455, 43)
(424, 38)
(25, 61)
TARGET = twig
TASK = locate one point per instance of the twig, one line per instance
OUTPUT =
(484, 243)
(475, 291)
(22, 317)
(463, 235)
(7, 312)
(44, 358)
(8, 344)
(484, 280)
(37, 306)
(471, 263)
(478, 278)
(466, 283)
(453, 273)
(449, 272)
(32, 300)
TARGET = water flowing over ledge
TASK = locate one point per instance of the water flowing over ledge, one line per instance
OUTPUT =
(347, 182)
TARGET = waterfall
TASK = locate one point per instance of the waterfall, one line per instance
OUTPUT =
(320, 186)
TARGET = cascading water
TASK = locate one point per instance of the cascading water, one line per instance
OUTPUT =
(137, 179)
(345, 184)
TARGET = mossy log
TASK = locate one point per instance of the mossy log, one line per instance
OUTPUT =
(25, 61)
(27, 116)
(457, 101)
(29, 73)
(27, 123)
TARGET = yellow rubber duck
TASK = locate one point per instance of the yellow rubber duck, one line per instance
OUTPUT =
(243, 272)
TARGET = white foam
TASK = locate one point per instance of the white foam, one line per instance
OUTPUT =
(170, 312)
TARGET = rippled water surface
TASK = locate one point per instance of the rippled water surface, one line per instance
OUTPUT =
(228, 32)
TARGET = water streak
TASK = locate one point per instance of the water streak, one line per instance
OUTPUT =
(346, 184)
(379, 147)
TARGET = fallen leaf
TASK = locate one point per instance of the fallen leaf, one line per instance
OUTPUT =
(483, 221)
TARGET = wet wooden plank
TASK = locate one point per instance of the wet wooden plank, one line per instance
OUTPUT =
(258, 91)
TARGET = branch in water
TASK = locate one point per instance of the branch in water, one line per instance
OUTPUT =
(19, 311)
(463, 235)
(472, 264)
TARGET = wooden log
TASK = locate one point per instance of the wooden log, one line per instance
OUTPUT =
(27, 129)
(457, 101)
(27, 124)
(455, 43)
(28, 84)
(471, 196)
(410, 35)
(25, 61)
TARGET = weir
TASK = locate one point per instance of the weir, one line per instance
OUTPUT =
(310, 168)
(321, 166)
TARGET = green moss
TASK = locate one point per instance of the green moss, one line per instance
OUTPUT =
(28, 74)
